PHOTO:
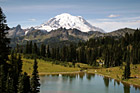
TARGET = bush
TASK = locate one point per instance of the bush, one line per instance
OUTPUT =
(78, 65)
(70, 65)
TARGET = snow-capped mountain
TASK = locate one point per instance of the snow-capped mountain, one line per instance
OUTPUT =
(68, 21)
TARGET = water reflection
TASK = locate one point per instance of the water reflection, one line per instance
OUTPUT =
(89, 76)
(81, 75)
(126, 88)
(83, 83)
(106, 81)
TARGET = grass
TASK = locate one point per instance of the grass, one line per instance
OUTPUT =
(47, 67)
(117, 72)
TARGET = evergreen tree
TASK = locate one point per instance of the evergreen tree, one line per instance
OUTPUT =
(35, 79)
(24, 84)
(27, 48)
(53, 53)
(127, 72)
(81, 54)
(30, 47)
(93, 57)
(48, 52)
(2, 79)
(4, 51)
(43, 50)
(14, 69)
(35, 49)
(10, 87)
(4, 41)
(19, 63)
(17, 48)
(106, 57)
(57, 54)
(64, 54)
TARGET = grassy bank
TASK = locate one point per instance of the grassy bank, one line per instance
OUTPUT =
(45, 67)
(117, 72)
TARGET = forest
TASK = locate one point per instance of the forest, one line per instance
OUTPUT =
(111, 51)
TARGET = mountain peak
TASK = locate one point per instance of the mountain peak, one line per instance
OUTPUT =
(18, 26)
(64, 14)
(68, 21)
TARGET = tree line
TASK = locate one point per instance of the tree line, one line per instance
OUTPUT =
(112, 51)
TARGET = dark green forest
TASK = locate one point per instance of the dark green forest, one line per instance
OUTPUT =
(111, 50)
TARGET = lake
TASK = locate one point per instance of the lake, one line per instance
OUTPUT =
(83, 83)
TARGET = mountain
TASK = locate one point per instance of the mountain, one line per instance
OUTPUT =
(64, 35)
(60, 34)
(121, 32)
(68, 21)
(117, 33)
(16, 31)
(64, 29)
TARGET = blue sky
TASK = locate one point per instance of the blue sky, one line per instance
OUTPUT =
(106, 14)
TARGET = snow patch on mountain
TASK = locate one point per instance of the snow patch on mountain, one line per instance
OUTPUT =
(68, 21)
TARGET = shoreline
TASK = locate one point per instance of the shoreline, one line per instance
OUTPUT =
(122, 81)
(76, 72)
(55, 73)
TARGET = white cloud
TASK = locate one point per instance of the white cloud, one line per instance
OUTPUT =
(113, 24)
(33, 20)
(112, 15)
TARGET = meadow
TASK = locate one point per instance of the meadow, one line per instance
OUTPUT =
(47, 67)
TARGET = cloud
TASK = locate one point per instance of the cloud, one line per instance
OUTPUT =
(33, 20)
(112, 15)
(113, 24)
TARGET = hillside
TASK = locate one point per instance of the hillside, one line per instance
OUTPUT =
(59, 35)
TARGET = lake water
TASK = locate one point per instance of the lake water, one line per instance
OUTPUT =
(83, 83)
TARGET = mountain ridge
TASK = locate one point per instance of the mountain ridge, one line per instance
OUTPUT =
(61, 34)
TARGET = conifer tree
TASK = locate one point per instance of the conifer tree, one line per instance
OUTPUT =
(30, 47)
(48, 52)
(35, 79)
(19, 63)
(27, 48)
(43, 50)
(57, 54)
(127, 72)
(2, 79)
(4, 41)
(10, 87)
(4, 51)
(24, 84)
(35, 49)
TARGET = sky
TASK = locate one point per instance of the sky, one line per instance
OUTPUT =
(109, 15)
